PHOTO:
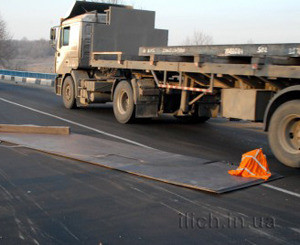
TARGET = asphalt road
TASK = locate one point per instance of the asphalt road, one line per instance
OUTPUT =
(51, 200)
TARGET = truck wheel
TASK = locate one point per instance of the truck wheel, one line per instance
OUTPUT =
(196, 118)
(68, 93)
(193, 119)
(123, 103)
(284, 133)
(202, 119)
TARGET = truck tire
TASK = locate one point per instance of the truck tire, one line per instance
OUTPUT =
(194, 119)
(284, 133)
(201, 119)
(68, 93)
(123, 103)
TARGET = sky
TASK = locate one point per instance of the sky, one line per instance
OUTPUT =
(227, 21)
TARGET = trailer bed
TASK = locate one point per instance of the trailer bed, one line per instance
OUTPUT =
(259, 60)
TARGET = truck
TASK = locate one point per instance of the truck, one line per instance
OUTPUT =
(114, 53)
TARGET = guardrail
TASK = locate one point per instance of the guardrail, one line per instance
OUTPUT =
(45, 79)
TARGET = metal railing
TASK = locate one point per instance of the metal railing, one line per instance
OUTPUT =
(37, 75)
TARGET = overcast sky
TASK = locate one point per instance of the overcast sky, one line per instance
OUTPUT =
(228, 21)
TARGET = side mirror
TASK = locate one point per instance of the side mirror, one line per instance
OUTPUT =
(53, 34)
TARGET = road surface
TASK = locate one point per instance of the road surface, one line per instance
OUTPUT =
(52, 200)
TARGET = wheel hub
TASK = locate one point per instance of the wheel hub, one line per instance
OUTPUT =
(297, 134)
(68, 92)
(123, 102)
(291, 133)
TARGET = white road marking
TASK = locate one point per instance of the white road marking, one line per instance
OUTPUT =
(281, 190)
(175, 210)
(121, 138)
(78, 124)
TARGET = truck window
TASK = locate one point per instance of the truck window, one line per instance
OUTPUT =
(66, 36)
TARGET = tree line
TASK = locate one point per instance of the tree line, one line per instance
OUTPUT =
(12, 52)
(32, 49)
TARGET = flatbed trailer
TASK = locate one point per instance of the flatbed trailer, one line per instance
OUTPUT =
(114, 59)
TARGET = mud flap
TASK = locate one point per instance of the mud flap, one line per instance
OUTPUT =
(146, 98)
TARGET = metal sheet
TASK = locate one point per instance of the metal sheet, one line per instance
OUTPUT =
(180, 170)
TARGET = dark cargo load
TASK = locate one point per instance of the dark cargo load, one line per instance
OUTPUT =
(127, 31)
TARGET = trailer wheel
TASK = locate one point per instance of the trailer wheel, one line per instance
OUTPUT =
(284, 133)
(201, 119)
(123, 103)
(193, 119)
(68, 93)
(196, 118)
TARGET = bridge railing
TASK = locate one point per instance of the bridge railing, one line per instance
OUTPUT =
(27, 74)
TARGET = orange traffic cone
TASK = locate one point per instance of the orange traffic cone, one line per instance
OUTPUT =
(254, 164)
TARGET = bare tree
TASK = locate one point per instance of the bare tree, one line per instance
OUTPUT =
(198, 38)
(6, 50)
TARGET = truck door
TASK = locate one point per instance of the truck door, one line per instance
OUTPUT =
(61, 56)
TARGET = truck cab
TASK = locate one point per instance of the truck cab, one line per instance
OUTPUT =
(72, 40)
